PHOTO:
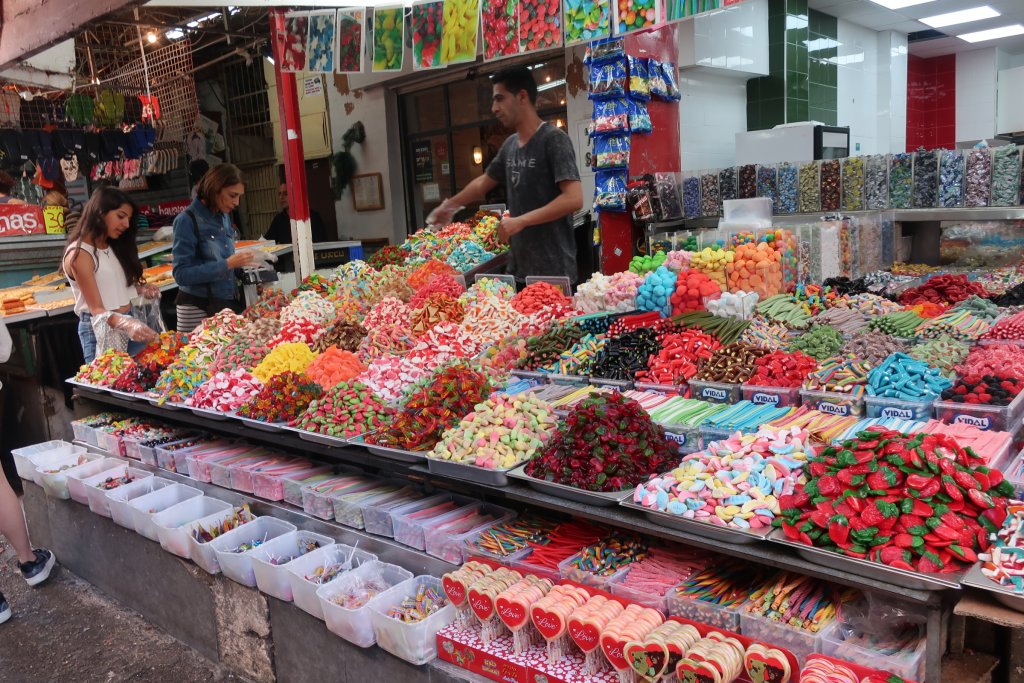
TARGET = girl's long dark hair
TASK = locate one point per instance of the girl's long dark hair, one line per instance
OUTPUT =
(90, 224)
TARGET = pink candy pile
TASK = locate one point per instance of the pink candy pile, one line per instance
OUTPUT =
(226, 391)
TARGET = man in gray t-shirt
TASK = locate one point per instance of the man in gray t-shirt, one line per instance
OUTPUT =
(538, 168)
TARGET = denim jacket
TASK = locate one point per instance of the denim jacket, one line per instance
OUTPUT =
(202, 270)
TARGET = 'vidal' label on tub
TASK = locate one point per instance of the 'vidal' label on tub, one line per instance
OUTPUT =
(678, 438)
(712, 394)
(974, 421)
(761, 399)
(834, 408)
(899, 413)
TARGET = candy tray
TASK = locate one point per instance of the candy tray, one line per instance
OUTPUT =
(1003, 594)
(260, 425)
(210, 414)
(870, 570)
(85, 386)
(458, 470)
(127, 395)
(390, 453)
(708, 530)
(569, 492)
(322, 439)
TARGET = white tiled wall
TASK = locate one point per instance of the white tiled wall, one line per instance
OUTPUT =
(857, 98)
(735, 38)
(891, 92)
(712, 111)
(976, 95)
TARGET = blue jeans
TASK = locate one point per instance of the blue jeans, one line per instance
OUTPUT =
(88, 338)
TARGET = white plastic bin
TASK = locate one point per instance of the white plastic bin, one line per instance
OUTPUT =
(144, 508)
(76, 476)
(271, 578)
(52, 472)
(118, 499)
(25, 459)
(415, 643)
(202, 552)
(446, 538)
(171, 524)
(98, 501)
(354, 625)
(237, 566)
(304, 590)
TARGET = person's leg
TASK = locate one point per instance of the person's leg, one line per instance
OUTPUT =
(189, 318)
(12, 522)
(87, 337)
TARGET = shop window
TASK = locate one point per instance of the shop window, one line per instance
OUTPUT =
(450, 134)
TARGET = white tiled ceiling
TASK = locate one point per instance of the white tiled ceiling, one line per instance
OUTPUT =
(871, 15)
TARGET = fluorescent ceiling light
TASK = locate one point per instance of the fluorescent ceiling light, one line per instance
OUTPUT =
(899, 4)
(992, 34)
(962, 17)
(551, 84)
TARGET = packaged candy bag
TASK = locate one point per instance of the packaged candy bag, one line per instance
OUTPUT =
(611, 116)
(611, 152)
(639, 119)
(659, 88)
(639, 79)
(608, 80)
(605, 51)
(668, 71)
(610, 190)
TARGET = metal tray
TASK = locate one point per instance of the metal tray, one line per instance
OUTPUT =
(322, 439)
(569, 492)
(128, 396)
(1003, 594)
(210, 414)
(458, 470)
(86, 386)
(710, 531)
(167, 405)
(393, 453)
(869, 569)
(257, 424)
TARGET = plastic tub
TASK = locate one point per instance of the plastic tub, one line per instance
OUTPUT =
(203, 464)
(780, 397)
(377, 513)
(76, 476)
(472, 551)
(715, 392)
(26, 459)
(912, 668)
(222, 471)
(348, 508)
(144, 508)
(133, 443)
(567, 571)
(172, 523)
(271, 578)
(354, 625)
(98, 501)
(801, 643)
(709, 613)
(51, 468)
(994, 418)
(147, 449)
(446, 539)
(412, 522)
(293, 483)
(270, 484)
(304, 590)
(833, 403)
(202, 552)
(878, 406)
(237, 566)
(687, 437)
(658, 601)
(318, 497)
(118, 499)
(415, 643)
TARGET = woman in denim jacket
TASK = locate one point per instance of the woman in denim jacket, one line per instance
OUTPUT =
(204, 248)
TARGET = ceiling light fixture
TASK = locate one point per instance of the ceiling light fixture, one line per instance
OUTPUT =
(899, 4)
(151, 37)
(961, 17)
(992, 33)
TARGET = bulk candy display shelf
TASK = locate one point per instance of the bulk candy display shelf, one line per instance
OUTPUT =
(765, 552)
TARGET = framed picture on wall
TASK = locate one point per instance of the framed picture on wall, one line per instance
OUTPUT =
(368, 192)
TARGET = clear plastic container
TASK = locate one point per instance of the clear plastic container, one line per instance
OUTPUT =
(801, 643)
(118, 499)
(833, 403)
(271, 578)
(98, 501)
(878, 406)
(76, 476)
(173, 456)
(270, 485)
(171, 524)
(202, 552)
(318, 498)
(710, 434)
(715, 392)
(567, 571)
(718, 616)
(51, 468)
(446, 539)
(377, 514)
(237, 566)
(144, 508)
(348, 509)
(911, 668)
(26, 459)
(415, 643)
(353, 624)
(658, 601)
(133, 443)
(471, 551)
(220, 468)
(780, 397)
(985, 417)
(524, 566)
(686, 436)
(412, 522)
(87, 428)
(244, 478)
(147, 448)
(304, 590)
(293, 483)
(201, 461)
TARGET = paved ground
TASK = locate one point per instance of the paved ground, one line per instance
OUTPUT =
(66, 630)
